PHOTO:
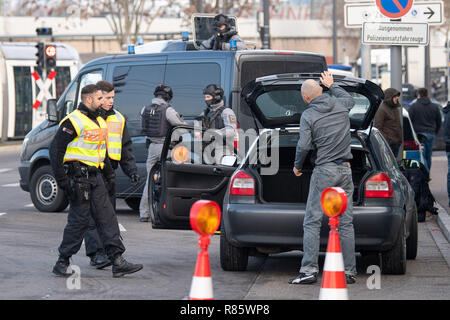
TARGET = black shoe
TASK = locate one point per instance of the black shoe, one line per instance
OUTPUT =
(304, 278)
(60, 268)
(350, 279)
(144, 219)
(122, 267)
(100, 260)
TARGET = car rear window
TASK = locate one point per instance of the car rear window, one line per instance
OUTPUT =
(278, 104)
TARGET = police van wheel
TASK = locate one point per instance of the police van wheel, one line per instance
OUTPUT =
(44, 191)
(133, 203)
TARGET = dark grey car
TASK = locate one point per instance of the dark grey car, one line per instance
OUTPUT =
(263, 213)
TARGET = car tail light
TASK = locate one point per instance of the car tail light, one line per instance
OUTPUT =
(242, 184)
(379, 186)
(411, 145)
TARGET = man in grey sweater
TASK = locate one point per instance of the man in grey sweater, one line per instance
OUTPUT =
(325, 128)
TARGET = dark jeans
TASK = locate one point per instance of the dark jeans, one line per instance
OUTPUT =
(427, 148)
(100, 209)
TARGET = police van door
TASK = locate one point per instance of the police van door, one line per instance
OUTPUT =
(23, 92)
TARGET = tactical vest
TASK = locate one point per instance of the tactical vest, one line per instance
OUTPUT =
(214, 120)
(116, 124)
(89, 147)
(155, 121)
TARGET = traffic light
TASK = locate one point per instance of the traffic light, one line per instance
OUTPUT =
(40, 61)
(50, 56)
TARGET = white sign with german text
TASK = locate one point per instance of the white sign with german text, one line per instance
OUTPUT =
(431, 12)
(391, 33)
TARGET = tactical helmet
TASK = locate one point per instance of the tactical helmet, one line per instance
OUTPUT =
(164, 91)
(220, 20)
(215, 91)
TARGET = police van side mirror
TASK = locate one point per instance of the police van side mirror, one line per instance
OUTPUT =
(52, 111)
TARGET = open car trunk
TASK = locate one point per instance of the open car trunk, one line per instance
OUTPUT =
(285, 187)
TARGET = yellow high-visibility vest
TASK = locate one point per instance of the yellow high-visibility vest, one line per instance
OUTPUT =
(116, 123)
(89, 147)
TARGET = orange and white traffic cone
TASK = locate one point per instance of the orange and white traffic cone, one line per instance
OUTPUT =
(334, 286)
(201, 287)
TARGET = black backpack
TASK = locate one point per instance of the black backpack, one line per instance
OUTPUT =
(418, 177)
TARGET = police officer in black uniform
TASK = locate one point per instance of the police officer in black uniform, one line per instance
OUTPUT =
(94, 246)
(221, 120)
(224, 33)
(157, 119)
(72, 154)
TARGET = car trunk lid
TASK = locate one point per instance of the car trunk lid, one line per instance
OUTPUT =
(276, 100)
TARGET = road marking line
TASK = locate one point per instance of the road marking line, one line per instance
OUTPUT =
(121, 228)
(5, 170)
(2, 214)
(11, 185)
(29, 205)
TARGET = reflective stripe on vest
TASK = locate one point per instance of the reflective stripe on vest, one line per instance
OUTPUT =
(116, 123)
(89, 147)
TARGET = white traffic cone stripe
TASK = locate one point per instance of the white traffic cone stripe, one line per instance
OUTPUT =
(201, 288)
(333, 294)
(333, 262)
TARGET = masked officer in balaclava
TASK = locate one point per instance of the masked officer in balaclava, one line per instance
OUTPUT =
(224, 32)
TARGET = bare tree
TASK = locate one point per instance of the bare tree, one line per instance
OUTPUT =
(234, 7)
(127, 19)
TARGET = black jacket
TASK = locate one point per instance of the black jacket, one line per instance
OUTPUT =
(65, 134)
(127, 159)
(425, 116)
(447, 126)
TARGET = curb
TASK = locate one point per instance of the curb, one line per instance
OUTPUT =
(443, 221)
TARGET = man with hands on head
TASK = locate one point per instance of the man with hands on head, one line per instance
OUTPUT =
(325, 128)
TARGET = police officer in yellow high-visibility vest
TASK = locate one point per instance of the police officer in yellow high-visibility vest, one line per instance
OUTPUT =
(119, 150)
(119, 141)
(78, 158)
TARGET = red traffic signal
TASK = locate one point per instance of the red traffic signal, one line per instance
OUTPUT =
(50, 56)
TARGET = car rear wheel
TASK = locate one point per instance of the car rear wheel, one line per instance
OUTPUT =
(231, 258)
(44, 191)
(411, 242)
(394, 260)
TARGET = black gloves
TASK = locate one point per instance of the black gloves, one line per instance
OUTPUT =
(64, 185)
(110, 183)
(135, 178)
(218, 42)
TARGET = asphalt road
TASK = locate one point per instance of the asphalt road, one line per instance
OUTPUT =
(29, 241)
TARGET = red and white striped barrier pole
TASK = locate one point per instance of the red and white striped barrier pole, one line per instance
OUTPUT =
(334, 287)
